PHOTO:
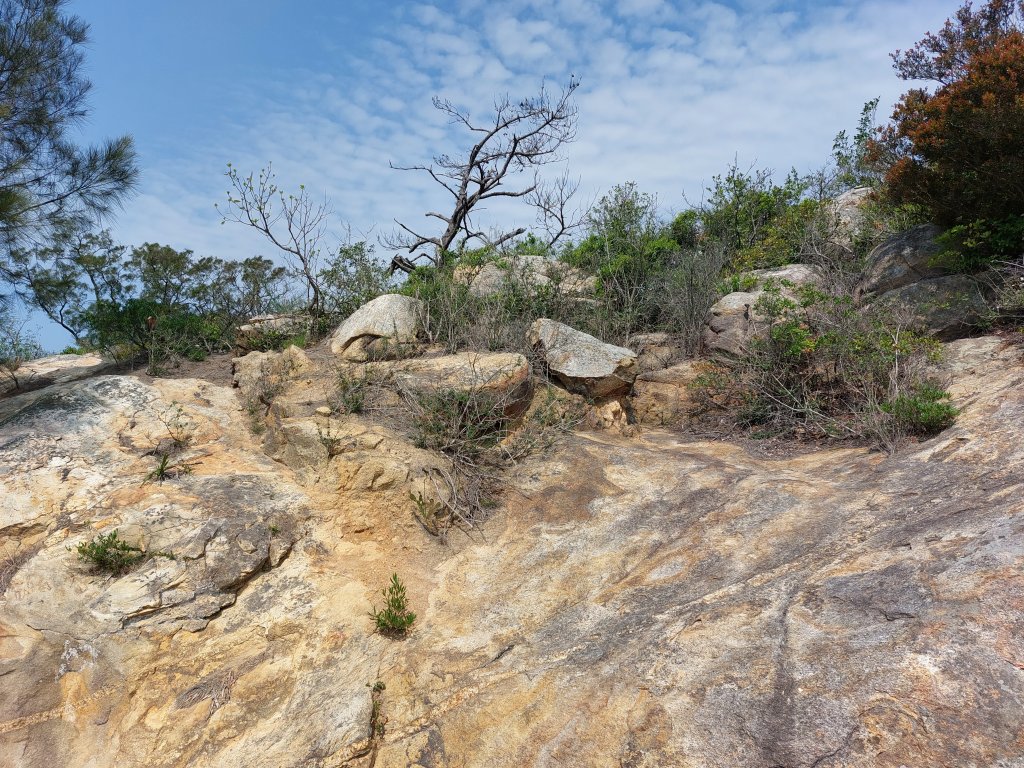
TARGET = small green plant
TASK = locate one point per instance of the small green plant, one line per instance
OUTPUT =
(734, 283)
(394, 618)
(430, 514)
(110, 553)
(164, 470)
(351, 397)
(180, 428)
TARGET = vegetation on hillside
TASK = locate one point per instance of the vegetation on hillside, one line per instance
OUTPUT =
(824, 366)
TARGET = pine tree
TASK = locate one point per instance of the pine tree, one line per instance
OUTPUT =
(48, 184)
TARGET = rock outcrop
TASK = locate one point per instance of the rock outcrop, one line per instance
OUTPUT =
(900, 261)
(903, 276)
(734, 319)
(662, 397)
(583, 364)
(946, 308)
(848, 209)
(502, 375)
(529, 270)
(383, 328)
(650, 600)
(53, 369)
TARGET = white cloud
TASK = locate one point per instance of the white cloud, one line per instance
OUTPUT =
(667, 100)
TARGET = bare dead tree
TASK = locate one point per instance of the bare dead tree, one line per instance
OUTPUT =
(502, 163)
(294, 223)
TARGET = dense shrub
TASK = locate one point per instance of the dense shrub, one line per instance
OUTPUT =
(958, 152)
(821, 368)
(924, 410)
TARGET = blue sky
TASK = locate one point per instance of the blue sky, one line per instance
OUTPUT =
(330, 92)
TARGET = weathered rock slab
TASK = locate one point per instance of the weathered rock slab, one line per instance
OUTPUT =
(662, 397)
(582, 363)
(947, 308)
(503, 376)
(390, 322)
(53, 369)
(647, 601)
(901, 260)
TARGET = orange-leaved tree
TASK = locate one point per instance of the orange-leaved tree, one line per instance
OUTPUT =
(959, 152)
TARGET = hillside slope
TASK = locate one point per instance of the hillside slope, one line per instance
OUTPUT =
(635, 601)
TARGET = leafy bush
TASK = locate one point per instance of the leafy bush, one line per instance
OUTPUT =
(822, 368)
(276, 340)
(925, 410)
(982, 243)
(958, 151)
(394, 618)
(110, 553)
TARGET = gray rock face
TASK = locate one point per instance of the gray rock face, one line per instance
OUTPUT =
(848, 209)
(583, 364)
(947, 308)
(488, 281)
(530, 270)
(733, 320)
(390, 317)
(900, 261)
(54, 369)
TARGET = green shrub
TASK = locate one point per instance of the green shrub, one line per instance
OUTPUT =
(982, 243)
(276, 340)
(110, 553)
(394, 618)
(821, 368)
(925, 410)
(460, 423)
(351, 394)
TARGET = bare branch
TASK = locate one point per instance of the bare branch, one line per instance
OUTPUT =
(520, 138)
(552, 202)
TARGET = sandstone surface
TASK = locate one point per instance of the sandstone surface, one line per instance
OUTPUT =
(650, 600)
(662, 397)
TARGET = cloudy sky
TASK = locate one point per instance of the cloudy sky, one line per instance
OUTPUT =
(330, 91)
